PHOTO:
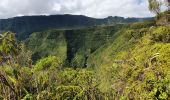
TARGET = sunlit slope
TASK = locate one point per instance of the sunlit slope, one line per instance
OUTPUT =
(135, 64)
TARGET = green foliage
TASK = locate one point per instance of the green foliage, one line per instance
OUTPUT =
(50, 62)
(154, 6)
(8, 45)
(68, 92)
(140, 63)
(72, 46)
(161, 34)
(46, 79)
(133, 64)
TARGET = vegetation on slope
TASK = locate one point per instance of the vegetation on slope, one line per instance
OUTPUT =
(131, 65)
(139, 60)
(72, 46)
(134, 64)
(47, 79)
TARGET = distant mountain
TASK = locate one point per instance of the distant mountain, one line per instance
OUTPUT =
(26, 25)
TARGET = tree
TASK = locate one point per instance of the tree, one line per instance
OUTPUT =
(154, 6)
(15, 58)
(168, 4)
(8, 46)
(8, 51)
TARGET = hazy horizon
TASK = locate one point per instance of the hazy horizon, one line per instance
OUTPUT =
(90, 8)
(72, 15)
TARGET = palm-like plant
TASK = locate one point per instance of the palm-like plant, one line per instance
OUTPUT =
(9, 50)
(8, 45)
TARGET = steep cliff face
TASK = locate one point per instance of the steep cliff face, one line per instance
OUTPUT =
(72, 46)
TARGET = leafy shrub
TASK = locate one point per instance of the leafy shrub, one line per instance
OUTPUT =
(69, 92)
(161, 34)
(49, 62)
(68, 75)
(135, 33)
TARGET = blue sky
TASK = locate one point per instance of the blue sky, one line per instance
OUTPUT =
(91, 8)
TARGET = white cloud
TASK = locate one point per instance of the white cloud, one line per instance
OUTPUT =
(92, 8)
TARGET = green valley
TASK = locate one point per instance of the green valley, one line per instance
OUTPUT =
(72, 46)
(72, 57)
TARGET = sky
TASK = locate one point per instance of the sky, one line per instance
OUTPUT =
(91, 8)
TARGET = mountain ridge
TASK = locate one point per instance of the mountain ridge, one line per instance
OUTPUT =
(26, 25)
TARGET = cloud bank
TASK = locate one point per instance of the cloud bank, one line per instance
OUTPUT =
(91, 8)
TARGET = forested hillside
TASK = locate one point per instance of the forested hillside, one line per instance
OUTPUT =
(109, 62)
(136, 64)
(136, 58)
(72, 46)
